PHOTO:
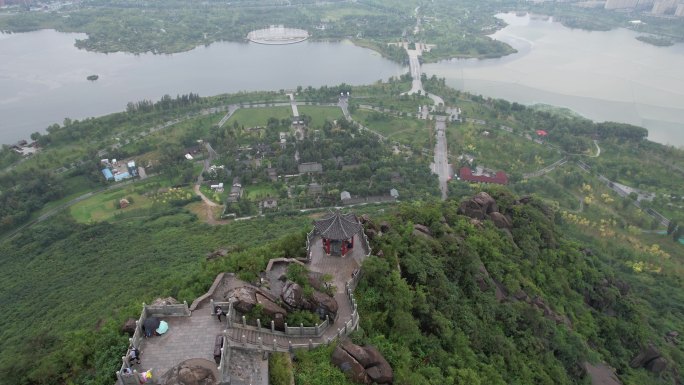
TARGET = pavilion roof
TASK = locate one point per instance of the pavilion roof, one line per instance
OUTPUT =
(338, 226)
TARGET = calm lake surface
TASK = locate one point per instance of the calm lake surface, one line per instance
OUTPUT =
(43, 76)
(601, 75)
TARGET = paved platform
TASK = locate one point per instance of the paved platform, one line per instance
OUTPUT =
(188, 337)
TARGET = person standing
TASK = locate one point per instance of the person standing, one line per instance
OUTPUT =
(219, 313)
(133, 356)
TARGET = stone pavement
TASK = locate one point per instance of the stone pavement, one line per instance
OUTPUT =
(247, 367)
(188, 337)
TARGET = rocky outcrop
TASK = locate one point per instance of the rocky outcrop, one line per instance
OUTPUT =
(550, 314)
(246, 297)
(650, 358)
(385, 227)
(672, 337)
(604, 295)
(165, 301)
(319, 303)
(129, 327)
(478, 206)
(218, 253)
(540, 304)
(501, 221)
(482, 206)
(483, 282)
(349, 366)
(422, 231)
(601, 374)
(192, 372)
(364, 365)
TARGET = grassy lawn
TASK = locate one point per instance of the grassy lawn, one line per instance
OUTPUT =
(252, 117)
(102, 206)
(260, 191)
(405, 130)
(320, 114)
(498, 149)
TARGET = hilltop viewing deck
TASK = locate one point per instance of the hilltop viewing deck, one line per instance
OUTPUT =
(192, 333)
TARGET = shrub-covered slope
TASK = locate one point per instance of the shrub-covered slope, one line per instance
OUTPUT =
(501, 296)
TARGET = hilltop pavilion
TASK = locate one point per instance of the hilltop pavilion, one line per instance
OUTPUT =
(337, 232)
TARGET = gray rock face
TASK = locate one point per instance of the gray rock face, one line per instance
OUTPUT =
(245, 298)
(486, 201)
(657, 366)
(501, 221)
(292, 295)
(129, 327)
(349, 366)
(650, 358)
(320, 303)
(483, 279)
(165, 301)
(483, 206)
(422, 231)
(192, 372)
(363, 365)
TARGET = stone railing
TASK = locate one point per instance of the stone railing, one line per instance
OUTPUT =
(223, 368)
(240, 322)
(125, 374)
(198, 301)
(178, 310)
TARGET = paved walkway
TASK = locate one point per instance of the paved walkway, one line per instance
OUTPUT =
(341, 269)
(441, 163)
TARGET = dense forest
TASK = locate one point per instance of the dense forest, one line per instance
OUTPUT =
(458, 299)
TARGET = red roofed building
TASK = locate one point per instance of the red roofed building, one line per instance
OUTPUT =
(467, 175)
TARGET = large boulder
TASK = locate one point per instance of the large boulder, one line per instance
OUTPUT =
(379, 370)
(129, 327)
(165, 301)
(485, 201)
(657, 366)
(192, 372)
(362, 364)
(245, 298)
(646, 354)
(349, 366)
(479, 206)
(422, 231)
(320, 303)
(501, 221)
(325, 305)
(357, 352)
(292, 295)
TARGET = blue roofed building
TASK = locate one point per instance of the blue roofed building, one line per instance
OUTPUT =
(107, 174)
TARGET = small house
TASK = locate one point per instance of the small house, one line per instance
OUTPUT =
(466, 174)
(310, 167)
(315, 189)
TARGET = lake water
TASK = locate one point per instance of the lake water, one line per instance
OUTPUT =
(601, 75)
(43, 76)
